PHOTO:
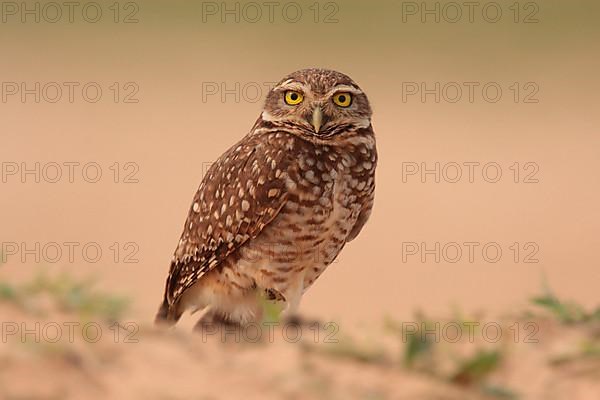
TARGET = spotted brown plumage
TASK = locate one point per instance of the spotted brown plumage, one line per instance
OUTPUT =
(277, 208)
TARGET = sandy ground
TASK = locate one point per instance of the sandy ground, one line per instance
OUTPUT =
(50, 350)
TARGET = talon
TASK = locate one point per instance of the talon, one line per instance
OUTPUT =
(272, 294)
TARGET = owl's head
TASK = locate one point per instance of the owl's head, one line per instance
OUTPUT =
(318, 104)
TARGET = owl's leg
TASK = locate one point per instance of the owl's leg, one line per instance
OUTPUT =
(293, 295)
(290, 315)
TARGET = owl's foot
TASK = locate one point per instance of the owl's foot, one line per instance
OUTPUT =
(297, 320)
(274, 295)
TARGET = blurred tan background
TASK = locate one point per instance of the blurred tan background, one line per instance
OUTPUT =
(171, 57)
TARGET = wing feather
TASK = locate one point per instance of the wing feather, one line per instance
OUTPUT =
(242, 192)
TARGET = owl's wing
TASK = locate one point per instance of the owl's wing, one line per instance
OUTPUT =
(241, 193)
(366, 198)
(363, 216)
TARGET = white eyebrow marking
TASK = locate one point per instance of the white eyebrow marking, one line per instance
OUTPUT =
(292, 85)
(344, 88)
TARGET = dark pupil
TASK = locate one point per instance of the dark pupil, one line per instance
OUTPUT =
(294, 96)
(342, 99)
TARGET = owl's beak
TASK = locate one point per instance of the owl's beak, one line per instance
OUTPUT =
(317, 118)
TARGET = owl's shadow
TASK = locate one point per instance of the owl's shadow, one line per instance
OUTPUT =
(216, 325)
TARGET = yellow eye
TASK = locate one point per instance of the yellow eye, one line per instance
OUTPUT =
(293, 98)
(342, 99)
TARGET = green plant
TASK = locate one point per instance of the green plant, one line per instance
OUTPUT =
(417, 344)
(67, 294)
(476, 368)
(566, 312)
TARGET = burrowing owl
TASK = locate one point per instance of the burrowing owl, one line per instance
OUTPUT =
(277, 208)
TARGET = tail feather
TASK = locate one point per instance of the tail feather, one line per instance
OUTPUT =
(167, 315)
